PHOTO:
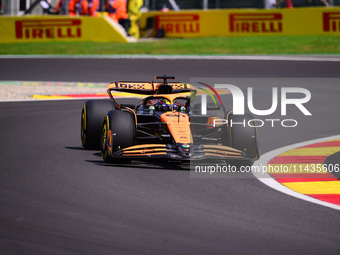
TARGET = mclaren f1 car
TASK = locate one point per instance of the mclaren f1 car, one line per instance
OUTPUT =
(164, 125)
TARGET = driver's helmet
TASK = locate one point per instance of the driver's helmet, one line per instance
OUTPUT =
(175, 106)
(183, 109)
(163, 105)
(178, 107)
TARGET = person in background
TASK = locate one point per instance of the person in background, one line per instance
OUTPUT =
(117, 10)
(272, 3)
(166, 9)
(89, 7)
(324, 3)
(134, 15)
(285, 4)
(60, 7)
(83, 7)
(73, 6)
(312, 3)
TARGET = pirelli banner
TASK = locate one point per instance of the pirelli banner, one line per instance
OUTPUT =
(299, 21)
(59, 28)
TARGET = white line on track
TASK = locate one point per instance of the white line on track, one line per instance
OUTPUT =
(314, 58)
(269, 181)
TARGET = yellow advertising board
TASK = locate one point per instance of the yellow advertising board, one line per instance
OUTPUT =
(59, 28)
(244, 22)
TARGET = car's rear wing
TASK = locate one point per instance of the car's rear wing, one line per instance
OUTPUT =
(147, 88)
(150, 88)
(144, 88)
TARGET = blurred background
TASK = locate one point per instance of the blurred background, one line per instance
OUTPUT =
(20, 7)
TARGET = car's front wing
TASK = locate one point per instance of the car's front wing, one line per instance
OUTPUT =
(181, 152)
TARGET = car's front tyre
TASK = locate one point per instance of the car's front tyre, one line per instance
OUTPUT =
(118, 132)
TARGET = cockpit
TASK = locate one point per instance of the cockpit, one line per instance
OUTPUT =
(163, 104)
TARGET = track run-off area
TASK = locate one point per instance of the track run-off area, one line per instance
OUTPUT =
(57, 198)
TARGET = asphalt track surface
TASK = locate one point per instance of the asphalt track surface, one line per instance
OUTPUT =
(56, 198)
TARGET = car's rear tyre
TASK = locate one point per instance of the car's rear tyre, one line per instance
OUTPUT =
(92, 115)
(243, 136)
(118, 132)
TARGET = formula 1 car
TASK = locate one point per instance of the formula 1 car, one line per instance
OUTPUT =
(164, 125)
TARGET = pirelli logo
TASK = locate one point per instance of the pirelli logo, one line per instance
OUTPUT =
(48, 29)
(178, 23)
(331, 21)
(255, 23)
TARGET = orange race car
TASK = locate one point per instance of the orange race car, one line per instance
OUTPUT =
(164, 125)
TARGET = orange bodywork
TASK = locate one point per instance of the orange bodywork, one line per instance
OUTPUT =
(145, 149)
(177, 122)
(178, 125)
(142, 86)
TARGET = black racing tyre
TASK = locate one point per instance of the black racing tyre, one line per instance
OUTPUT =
(243, 137)
(118, 132)
(92, 116)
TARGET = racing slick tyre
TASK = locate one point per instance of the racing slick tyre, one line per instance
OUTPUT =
(118, 132)
(243, 137)
(92, 116)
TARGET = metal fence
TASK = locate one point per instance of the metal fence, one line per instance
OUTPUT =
(18, 7)
(222, 4)
(204, 4)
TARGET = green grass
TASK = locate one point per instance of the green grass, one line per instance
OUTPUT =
(217, 46)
